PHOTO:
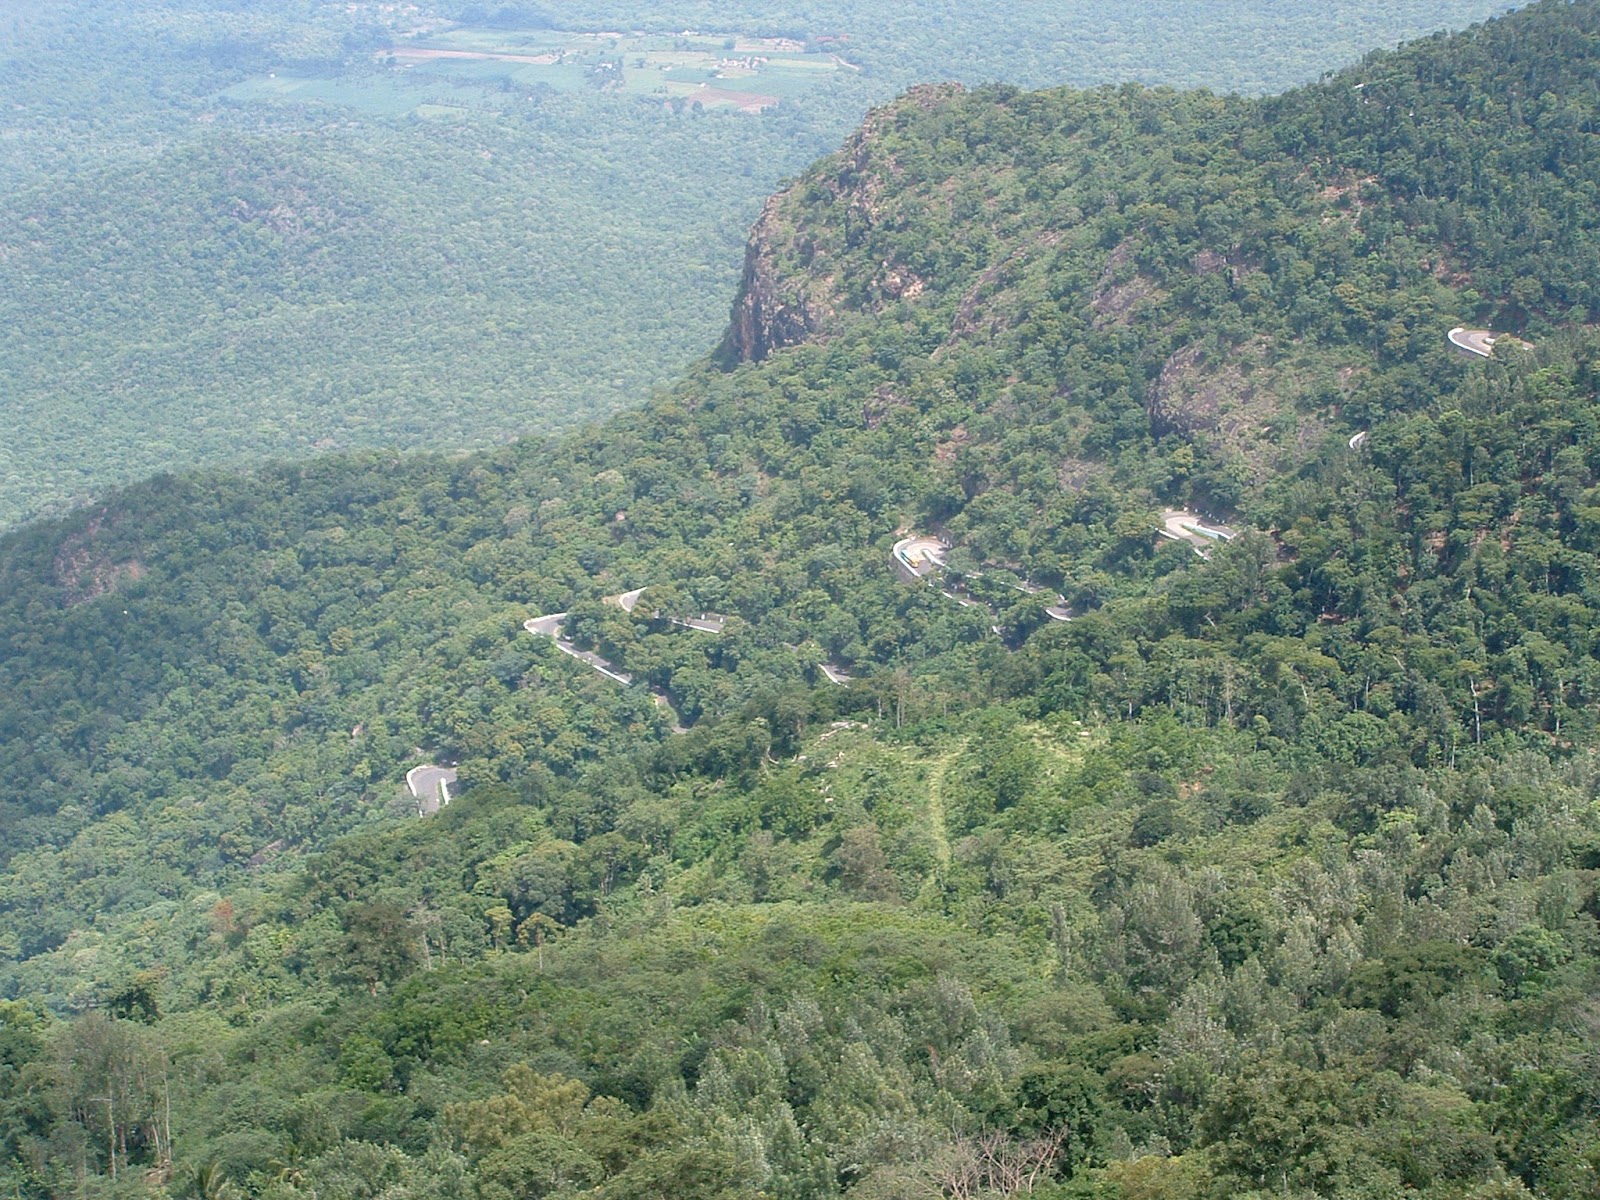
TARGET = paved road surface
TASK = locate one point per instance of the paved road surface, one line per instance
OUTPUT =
(550, 627)
(429, 786)
(1181, 525)
(608, 669)
(705, 622)
(964, 601)
(1481, 343)
(918, 556)
(1477, 342)
(628, 601)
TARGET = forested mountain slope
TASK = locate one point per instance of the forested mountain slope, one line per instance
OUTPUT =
(1272, 871)
(239, 232)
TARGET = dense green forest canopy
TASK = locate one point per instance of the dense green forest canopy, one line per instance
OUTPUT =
(1273, 871)
(202, 264)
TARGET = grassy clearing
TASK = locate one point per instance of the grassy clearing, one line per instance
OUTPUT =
(374, 95)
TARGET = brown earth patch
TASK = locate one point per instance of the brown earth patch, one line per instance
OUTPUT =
(1345, 198)
(85, 573)
(746, 101)
(945, 452)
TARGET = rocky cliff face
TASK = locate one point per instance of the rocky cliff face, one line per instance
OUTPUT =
(771, 311)
(794, 267)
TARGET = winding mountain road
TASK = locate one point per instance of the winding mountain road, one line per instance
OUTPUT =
(550, 626)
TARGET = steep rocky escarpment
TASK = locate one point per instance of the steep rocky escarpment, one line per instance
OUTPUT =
(796, 277)
(772, 311)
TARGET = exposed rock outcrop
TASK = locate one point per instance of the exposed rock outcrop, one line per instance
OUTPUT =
(772, 311)
(1253, 406)
(1189, 394)
(791, 288)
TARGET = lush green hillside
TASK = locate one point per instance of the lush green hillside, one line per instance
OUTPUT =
(240, 234)
(1273, 871)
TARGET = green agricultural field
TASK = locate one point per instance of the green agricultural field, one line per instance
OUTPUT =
(470, 66)
(739, 72)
